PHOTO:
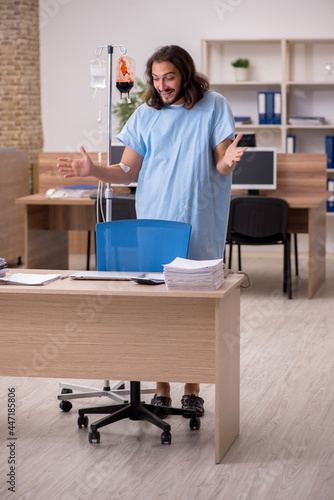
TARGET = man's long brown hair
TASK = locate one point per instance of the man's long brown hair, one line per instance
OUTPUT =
(194, 84)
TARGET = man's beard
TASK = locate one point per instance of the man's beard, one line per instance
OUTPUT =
(176, 98)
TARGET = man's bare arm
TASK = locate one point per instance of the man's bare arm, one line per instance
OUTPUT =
(114, 174)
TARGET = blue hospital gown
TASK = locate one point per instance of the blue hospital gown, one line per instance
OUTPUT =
(178, 180)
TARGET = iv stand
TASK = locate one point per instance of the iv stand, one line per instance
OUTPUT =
(115, 392)
(109, 191)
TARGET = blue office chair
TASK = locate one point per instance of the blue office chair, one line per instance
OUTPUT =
(144, 246)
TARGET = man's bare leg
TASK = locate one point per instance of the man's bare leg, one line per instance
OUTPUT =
(191, 389)
(163, 389)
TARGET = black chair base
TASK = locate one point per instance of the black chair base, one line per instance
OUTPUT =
(134, 410)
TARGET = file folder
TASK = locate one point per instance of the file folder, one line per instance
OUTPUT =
(269, 108)
(330, 150)
(277, 108)
(330, 201)
(261, 104)
(290, 143)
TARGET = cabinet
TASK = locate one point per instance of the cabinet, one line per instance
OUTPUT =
(14, 181)
(296, 68)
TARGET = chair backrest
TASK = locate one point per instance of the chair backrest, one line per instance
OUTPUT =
(140, 244)
(258, 216)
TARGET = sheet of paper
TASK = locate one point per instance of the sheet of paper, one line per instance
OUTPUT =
(29, 279)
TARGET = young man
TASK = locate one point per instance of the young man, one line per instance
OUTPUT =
(180, 147)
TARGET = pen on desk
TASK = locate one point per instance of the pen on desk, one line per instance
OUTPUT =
(64, 277)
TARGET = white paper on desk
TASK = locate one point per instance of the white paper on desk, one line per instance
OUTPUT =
(188, 265)
(194, 274)
(29, 279)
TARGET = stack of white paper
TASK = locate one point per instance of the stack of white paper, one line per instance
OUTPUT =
(186, 274)
(306, 120)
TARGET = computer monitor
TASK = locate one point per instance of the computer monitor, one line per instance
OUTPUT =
(256, 170)
(248, 139)
(116, 153)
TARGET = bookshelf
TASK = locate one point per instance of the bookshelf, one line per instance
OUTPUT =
(295, 67)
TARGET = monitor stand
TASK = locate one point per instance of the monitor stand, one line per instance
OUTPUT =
(253, 192)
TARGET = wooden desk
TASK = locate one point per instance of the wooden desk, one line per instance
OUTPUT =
(302, 182)
(48, 221)
(307, 214)
(76, 329)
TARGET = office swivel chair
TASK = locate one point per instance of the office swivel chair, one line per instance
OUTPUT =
(123, 207)
(260, 220)
(138, 245)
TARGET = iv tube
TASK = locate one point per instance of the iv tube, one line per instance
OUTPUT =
(98, 52)
(98, 83)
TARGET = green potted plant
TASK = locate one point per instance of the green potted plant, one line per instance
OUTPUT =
(124, 109)
(241, 69)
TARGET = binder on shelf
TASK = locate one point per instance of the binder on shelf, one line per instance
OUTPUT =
(290, 143)
(329, 148)
(261, 106)
(242, 120)
(269, 108)
(277, 108)
(330, 200)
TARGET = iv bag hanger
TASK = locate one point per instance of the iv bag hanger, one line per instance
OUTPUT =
(98, 52)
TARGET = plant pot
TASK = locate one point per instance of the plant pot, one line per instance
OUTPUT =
(241, 74)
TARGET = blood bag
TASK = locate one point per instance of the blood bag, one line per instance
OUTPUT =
(125, 74)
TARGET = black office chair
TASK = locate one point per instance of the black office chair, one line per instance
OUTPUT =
(260, 220)
(138, 245)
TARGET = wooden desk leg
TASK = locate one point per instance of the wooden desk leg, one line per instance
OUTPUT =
(316, 248)
(44, 249)
(227, 397)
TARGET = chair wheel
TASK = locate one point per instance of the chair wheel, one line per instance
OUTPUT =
(94, 436)
(65, 405)
(66, 391)
(166, 438)
(194, 423)
(82, 421)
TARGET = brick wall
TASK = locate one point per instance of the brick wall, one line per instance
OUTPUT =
(20, 101)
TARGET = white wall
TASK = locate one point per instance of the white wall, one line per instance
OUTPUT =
(72, 29)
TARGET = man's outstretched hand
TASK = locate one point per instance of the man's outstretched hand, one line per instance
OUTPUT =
(76, 168)
(233, 153)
